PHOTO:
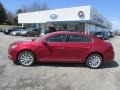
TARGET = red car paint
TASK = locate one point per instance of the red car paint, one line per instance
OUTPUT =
(63, 51)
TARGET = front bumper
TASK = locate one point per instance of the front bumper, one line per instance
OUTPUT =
(12, 54)
(11, 57)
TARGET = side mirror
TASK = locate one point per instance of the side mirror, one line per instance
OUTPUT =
(44, 42)
(33, 39)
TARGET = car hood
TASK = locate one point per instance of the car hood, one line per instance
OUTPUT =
(21, 42)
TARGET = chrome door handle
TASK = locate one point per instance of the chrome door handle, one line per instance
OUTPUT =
(88, 47)
(61, 48)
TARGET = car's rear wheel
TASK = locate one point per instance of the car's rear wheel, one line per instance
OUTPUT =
(28, 35)
(26, 58)
(94, 61)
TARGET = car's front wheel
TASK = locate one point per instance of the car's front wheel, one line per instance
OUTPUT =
(26, 58)
(94, 61)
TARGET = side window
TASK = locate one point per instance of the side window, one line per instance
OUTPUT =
(57, 38)
(78, 38)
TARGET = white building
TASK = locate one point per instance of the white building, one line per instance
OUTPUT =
(82, 19)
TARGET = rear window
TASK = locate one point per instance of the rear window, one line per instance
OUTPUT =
(79, 38)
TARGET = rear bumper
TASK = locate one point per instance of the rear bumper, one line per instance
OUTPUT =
(109, 55)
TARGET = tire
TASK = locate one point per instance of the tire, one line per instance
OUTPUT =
(26, 58)
(94, 61)
(16, 62)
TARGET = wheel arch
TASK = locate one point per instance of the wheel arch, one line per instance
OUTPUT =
(26, 50)
(94, 53)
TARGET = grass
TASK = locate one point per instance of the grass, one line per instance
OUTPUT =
(8, 26)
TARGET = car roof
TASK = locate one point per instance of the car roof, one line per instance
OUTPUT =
(67, 32)
(64, 32)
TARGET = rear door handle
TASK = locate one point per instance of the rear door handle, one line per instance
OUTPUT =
(61, 48)
(88, 47)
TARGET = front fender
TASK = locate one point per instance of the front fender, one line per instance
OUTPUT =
(30, 48)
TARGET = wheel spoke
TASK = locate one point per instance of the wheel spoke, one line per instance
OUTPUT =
(26, 58)
(94, 61)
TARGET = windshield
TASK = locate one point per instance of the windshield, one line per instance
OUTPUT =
(37, 39)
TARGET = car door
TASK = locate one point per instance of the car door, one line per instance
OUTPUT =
(54, 50)
(77, 47)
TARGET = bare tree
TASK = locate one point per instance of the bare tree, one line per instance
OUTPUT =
(16, 16)
(10, 17)
(45, 7)
(35, 7)
(3, 14)
(19, 11)
(25, 9)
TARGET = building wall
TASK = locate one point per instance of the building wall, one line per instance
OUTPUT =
(89, 27)
(65, 14)
(99, 19)
(82, 19)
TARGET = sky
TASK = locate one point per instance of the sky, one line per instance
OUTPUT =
(108, 8)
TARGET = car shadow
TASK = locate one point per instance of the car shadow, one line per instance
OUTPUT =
(112, 64)
(53, 64)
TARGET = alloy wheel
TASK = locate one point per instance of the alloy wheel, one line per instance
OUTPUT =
(94, 61)
(26, 58)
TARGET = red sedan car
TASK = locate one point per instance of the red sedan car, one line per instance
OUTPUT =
(67, 47)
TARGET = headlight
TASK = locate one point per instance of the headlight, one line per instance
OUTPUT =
(13, 46)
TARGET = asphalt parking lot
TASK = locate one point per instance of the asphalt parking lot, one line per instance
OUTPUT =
(52, 76)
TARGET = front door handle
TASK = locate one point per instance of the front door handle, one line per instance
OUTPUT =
(61, 48)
